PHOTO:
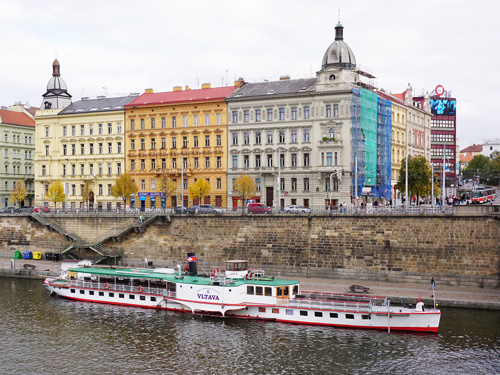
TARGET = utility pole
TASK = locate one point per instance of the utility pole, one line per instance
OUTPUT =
(356, 183)
(443, 183)
(66, 185)
(432, 185)
(279, 178)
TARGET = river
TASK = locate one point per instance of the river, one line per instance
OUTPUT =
(40, 334)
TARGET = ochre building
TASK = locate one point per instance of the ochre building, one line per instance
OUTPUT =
(181, 134)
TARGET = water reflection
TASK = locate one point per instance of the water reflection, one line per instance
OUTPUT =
(50, 335)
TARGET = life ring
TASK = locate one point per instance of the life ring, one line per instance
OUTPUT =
(139, 289)
(439, 90)
(106, 286)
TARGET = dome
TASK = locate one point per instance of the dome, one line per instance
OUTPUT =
(339, 54)
(57, 95)
(56, 83)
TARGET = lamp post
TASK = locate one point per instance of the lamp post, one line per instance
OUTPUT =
(65, 185)
(182, 180)
(432, 185)
(443, 183)
(331, 188)
(406, 174)
(356, 183)
(279, 178)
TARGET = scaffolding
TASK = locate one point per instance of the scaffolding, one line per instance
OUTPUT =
(369, 127)
(357, 143)
(384, 148)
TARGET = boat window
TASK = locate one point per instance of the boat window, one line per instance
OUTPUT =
(142, 298)
(250, 289)
(295, 289)
(318, 314)
(101, 294)
(72, 291)
(111, 294)
(131, 296)
(82, 291)
(279, 291)
(334, 315)
(289, 312)
(258, 290)
(286, 291)
(121, 295)
(276, 310)
(303, 313)
(268, 291)
(349, 316)
(153, 299)
(91, 292)
(366, 317)
(262, 309)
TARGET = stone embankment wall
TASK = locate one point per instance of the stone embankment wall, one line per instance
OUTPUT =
(457, 250)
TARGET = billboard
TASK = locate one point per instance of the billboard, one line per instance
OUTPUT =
(445, 107)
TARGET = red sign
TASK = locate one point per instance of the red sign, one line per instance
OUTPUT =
(191, 259)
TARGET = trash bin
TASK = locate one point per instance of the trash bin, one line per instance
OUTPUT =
(48, 256)
(56, 257)
(18, 255)
(37, 255)
(27, 255)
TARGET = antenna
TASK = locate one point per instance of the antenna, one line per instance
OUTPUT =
(105, 88)
(339, 14)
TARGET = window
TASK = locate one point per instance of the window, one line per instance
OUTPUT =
(100, 189)
(110, 147)
(91, 129)
(269, 160)
(294, 159)
(163, 142)
(91, 149)
(306, 183)
(82, 149)
(174, 163)
(73, 189)
(219, 140)
(65, 151)
(294, 136)
(44, 172)
(329, 161)
(349, 316)
(143, 126)
(195, 141)
(294, 113)
(195, 123)
(282, 187)
(234, 161)
(306, 112)
(174, 121)
(268, 292)
(257, 184)
(335, 110)
(163, 123)
(282, 160)
(73, 167)
(132, 144)
(185, 184)
(110, 169)
(306, 159)
(153, 123)
(132, 165)
(207, 141)
(91, 169)
(235, 117)
(184, 162)
(132, 124)
(82, 129)
(282, 113)
(306, 135)
(163, 163)
(257, 161)
(184, 142)
(99, 147)
(318, 314)
(207, 120)
(143, 164)
(82, 169)
(270, 114)
(207, 161)
(270, 136)
(219, 119)
(334, 315)
(47, 152)
(257, 138)
(46, 134)
(219, 161)
(246, 161)
(143, 184)
(119, 168)
(294, 184)
(153, 163)
(246, 115)
(174, 142)
(64, 133)
(282, 136)
(153, 184)
(246, 138)
(331, 134)
(303, 312)
(235, 138)
(250, 289)
(184, 121)
(328, 110)
(219, 184)
(258, 115)
(73, 129)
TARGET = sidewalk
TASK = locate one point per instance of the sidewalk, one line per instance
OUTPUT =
(450, 296)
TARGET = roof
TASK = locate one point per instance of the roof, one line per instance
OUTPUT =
(400, 96)
(146, 273)
(15, 118)
(473, 148)
(98, 105)
(287, 86)
(390, 97)
(182, 96)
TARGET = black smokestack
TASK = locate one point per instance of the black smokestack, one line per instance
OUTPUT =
(191, 258)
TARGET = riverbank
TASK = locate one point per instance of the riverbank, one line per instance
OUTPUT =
(446, 296)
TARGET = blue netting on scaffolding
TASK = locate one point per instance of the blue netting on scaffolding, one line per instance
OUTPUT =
(357, 143)
(369, 126)
(384, 130)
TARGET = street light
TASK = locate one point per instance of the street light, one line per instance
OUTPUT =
(279, 178)
(66, 185)
(331, 188)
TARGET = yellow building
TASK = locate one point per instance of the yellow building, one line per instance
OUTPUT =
(399, 116)
(81, 144)
(181, 134)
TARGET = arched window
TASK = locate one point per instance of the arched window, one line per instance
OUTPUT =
(331, 133)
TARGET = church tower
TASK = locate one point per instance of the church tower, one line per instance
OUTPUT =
(57, 95)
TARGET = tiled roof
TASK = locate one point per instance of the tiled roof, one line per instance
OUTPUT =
(98, 105)
(183, 96)
(473, 148)
(400, 96)
(287, 86)
(391, 97)
(15, 118)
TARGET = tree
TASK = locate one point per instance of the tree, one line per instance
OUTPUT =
(481, 166)
(19, 193)
(55, 193)
(419, 176)
(166, 186)
(123, 187)
(245, 188)
(87, 191)
(494, 155)
(199, 189)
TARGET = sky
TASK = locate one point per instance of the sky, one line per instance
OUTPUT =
(115, 48)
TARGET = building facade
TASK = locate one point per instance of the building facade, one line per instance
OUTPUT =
(468, 153)
(490, 146)
(17, 144)
(181, 134)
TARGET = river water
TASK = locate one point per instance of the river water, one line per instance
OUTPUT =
(40, 334)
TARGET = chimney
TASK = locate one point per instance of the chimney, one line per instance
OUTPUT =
(187, 88)
(148, 91)
(191, 259)
(206, 85)
(284, 78)
(177, 88)
(240, 82)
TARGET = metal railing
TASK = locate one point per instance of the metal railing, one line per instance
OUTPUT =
(111, 287)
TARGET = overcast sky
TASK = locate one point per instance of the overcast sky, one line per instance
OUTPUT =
(117, 47)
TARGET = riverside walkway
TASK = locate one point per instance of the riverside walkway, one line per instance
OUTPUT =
(446, 295)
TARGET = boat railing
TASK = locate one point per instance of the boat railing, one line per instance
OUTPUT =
(256, 272)
(219, 278)
(333, 296)
(123, 288)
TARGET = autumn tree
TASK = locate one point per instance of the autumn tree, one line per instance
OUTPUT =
(87, 191)
(199, 189)
(419, 176)
(55, 193)
(123, 187)
(245, 188)
(19, 193)
(166, 186)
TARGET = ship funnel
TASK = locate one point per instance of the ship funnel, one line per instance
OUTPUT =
(191, 259)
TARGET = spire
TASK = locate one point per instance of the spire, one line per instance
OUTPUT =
(56, 68)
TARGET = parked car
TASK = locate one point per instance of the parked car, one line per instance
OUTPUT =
(209, 209)
(10, 210)
(41, 209)
(259, 208)
(294, 209)
(180, 210)
(193, 209)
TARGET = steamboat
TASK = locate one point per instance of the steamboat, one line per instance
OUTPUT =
(237, 292)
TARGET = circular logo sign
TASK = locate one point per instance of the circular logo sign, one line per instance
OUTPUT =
(439, 90)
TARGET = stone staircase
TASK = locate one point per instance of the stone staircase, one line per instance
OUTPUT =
(77, 243)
